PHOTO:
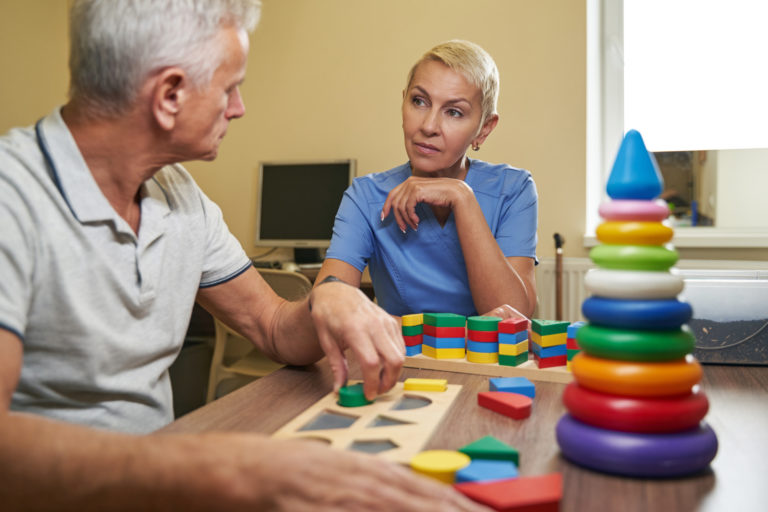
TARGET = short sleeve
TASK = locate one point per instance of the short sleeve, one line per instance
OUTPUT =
(352, 240)
(224, 257)
(518, 220)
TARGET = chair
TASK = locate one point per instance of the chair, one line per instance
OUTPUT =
(236, 361)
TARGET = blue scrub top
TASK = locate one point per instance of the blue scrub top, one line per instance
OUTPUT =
(424, 270)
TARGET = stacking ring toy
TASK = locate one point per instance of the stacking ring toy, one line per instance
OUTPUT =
(637, 314)
(633, 284)
(636, 378)
(631, 209)
(635, 345)
(633, 414)
(634, 233)
(637, 455)
(633, 257)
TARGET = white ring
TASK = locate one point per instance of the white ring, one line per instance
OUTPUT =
(633, 284)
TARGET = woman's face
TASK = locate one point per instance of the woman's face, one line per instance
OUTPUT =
(441, 118)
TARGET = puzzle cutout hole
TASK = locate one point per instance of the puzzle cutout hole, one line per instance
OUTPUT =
(408, 402)
(329, 420)
(373, 446)
(383, 421)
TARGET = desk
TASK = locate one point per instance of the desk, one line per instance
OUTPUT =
(738, 413)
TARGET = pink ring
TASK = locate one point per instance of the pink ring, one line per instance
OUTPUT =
(629, 209)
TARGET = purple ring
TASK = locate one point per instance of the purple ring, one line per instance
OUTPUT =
(634, 454)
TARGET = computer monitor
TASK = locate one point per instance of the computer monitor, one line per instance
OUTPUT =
(297, 203)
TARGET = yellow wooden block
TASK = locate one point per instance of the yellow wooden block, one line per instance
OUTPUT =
(568, 366)
(414, 384)
(482, 357)
(442, 353)
(513, 350)
(441, 465)
(409, 320)
(549, 340)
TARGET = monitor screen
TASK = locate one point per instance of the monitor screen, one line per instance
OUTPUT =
(297, 202)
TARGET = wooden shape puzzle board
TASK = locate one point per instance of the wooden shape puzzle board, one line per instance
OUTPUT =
(407, 429)
(528, 369)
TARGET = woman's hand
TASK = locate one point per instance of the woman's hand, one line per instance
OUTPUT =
(437, 192)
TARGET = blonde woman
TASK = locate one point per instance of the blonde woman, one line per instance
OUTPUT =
(443, 232)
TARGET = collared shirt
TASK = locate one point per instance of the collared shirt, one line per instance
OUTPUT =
(102, 312)
(424, 270)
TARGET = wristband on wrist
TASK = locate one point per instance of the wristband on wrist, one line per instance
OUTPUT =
(328, 279)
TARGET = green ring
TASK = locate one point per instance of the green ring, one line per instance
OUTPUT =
(483, 323)
(633, 257)
(635, 345)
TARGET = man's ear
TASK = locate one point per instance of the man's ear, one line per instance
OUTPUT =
(169, 93)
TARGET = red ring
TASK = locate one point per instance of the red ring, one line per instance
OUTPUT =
(636, 414)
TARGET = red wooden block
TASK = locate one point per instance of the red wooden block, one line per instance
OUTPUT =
(550, 362)
(513, 325)
(444, 332)
(523, 494)
(413, 340)
(484, 336)
(514, 405)
(570, 343)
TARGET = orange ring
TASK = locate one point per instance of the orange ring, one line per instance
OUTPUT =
(635, 378)
(634, 233)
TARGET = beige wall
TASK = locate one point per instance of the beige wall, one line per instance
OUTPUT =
(325, 81)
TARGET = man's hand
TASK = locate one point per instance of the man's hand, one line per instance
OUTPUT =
(344, 318)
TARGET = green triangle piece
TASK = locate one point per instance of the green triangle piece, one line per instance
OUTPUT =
(490, 448)
(635, 173)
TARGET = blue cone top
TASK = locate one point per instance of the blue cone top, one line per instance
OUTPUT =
(635, 174)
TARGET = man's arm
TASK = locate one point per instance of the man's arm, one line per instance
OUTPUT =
(341, 318)
(50, 465)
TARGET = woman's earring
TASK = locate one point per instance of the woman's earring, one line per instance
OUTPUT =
(475, 147)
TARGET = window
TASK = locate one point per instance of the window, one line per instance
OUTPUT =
(690, 75)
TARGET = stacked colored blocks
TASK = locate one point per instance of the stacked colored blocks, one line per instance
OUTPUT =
(483, 339)
(548, 342)
(635, 408)
(412, 329)
(513, 341)
(571, 345)
(443, 336)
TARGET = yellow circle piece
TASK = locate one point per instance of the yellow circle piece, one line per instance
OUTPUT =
(441, 465)
(635, 378)
(634, 233)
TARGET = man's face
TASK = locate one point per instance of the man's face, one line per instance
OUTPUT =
(205, 117)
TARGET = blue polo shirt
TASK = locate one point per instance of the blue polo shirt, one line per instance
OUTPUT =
(424, 270)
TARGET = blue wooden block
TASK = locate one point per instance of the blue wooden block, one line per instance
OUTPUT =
(480, 470)
(443, 342)
(513, 339)
(574, 328)
(553, 351)
(482, 346)
(413, 350)
(519, 385)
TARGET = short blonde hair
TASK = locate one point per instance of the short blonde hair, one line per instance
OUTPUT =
(473, 63)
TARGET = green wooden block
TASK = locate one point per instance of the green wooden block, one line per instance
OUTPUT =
(352, 396)
(547, 327)
(444, 320)
(483, 323)
(412, 330)
(572, 352)
(490, 448)
(505, 360)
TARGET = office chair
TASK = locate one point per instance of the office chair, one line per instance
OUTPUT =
(236, 361)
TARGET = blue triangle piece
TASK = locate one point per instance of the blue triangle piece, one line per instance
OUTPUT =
(635, 174)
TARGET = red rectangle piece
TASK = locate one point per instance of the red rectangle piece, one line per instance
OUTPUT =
(570, 343)
(413, 340)
(513, 325)
(551, 362)
(484, 336)
(514, 405)
(444, 332)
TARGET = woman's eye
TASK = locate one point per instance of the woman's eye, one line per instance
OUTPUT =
(417, 101)
(454, 113)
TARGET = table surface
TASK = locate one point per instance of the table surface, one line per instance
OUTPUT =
(737, 479)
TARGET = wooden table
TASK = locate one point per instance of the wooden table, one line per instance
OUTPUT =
(738, 480)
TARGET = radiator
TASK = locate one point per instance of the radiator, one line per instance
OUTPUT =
(574, 292)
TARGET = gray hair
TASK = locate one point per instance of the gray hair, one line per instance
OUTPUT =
(472, 62)
(116, 44)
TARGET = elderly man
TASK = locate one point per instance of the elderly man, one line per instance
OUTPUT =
(106, 244)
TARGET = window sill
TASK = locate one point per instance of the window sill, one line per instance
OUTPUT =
(719, 238)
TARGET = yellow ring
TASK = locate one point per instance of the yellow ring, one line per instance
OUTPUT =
(635, 378)
(482, 357)
(634, 233)
(441, 465)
